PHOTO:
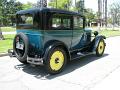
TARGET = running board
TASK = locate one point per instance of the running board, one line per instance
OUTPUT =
(79, 55)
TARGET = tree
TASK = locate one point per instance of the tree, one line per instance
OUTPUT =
(63, 4)
(4, 12)
(0, 11)
(80, 6)
(28, 5)
(8, 8)
(41, 3)
(1, 36)
(11, 10)
(115, 13)
(90, 16)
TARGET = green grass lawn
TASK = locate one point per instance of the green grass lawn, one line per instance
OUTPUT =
(110, 33)
(8, 29)
(6, 44)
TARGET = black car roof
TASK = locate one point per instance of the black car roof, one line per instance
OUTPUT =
(35, 10)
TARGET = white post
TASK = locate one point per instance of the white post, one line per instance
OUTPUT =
(1, 36)
(98, 26)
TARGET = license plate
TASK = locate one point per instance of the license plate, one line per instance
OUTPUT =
(19, 46)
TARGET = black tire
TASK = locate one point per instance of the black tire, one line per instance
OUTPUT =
(57, 60)
(100, 48)
(21, 54)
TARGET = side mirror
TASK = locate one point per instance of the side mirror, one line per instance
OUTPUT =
(95, 33)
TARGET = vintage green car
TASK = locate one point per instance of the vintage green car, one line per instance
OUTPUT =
(52, 37)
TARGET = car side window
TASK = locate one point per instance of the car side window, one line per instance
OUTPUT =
(61, 22)
(78, 23)
(56, 22)
(66, 23)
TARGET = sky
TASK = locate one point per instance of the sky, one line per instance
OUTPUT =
(88, 3)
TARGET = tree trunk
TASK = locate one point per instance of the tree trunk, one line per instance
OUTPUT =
(1, 36)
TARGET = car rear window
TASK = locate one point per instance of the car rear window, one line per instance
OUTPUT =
(25, 19)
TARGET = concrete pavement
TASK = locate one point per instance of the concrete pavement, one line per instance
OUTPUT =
(88, 73)
(5, 33)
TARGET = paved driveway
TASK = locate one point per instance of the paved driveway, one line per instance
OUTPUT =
(87, 73)
(4, 33)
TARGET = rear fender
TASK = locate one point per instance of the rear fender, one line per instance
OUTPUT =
(95, 42)
(53, 44)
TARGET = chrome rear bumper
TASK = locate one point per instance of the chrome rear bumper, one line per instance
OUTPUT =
(35, 61)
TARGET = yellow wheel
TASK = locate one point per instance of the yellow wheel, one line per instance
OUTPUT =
(100, 48)
(56, 60)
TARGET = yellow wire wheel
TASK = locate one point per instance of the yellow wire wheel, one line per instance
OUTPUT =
(56, 60)
(100, 48)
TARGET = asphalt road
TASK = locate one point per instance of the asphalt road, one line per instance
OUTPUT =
(88, 73)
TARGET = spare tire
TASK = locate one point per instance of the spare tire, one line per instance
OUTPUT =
(20, 47)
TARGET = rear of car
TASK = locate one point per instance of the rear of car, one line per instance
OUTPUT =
(29, 39)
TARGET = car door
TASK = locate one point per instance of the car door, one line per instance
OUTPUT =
(59, 29)
(78, 39)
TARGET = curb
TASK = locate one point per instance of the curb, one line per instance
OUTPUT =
(3, 54)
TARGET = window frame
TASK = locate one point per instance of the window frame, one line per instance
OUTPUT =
(79, 18)
(62, 17)
(36, 20)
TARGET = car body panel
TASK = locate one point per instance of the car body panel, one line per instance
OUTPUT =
(35, 37)
(64, 36)
(77, 38)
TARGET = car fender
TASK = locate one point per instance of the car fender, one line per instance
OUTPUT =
(53, 44)
(96, 40)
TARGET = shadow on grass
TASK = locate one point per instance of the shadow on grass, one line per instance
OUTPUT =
(39, 71)
(8, 39)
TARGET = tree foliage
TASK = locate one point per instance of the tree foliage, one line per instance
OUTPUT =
(60, 4)
(115, 13)
(28, 5)
(90, 16)
(8, 8)
(40, 3)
